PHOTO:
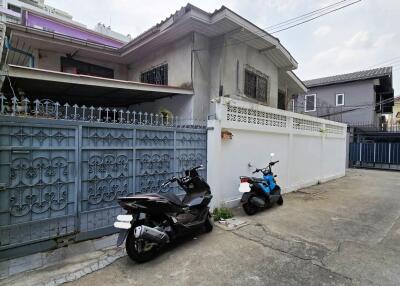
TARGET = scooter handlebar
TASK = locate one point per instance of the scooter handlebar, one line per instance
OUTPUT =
(273, 163)
(173, 179)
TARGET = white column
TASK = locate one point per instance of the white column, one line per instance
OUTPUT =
(214, 161)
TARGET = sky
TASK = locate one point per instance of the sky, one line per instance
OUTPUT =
(362, 36)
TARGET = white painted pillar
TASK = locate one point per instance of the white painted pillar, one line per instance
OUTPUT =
(321, 158)
(289, 126)
(214, 161)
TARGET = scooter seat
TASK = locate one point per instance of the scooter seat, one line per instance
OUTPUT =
(258, 180)
(172, 198)
(168, 196)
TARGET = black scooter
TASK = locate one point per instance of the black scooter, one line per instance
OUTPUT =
(154, 220)
(259, 193)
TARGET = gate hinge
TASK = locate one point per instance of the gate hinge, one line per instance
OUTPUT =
(2, 187)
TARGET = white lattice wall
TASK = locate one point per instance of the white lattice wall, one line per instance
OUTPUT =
(252, 116)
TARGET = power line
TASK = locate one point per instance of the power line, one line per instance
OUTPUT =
(263, 34)
(305, 15)
(316, 17)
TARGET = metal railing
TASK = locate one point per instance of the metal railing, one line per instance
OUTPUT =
(46, 108)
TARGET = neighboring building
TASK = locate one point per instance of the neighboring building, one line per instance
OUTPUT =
(48, 18)
(396, 110)
(359, 98)
(204, 54)
(11, 11)
(106, 30)
(50, 24)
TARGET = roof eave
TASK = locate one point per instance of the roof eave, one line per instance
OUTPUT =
(41, 74)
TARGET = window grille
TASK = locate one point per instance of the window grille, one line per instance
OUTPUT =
(256, 85)
(157, 75)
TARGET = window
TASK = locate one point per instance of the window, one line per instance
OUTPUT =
(255, 85)
(157, 75)
(77, 67)
(310, 103)
(339, 99)
(14, 8)
(281, 100)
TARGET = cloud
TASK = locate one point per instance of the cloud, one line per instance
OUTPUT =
(385, 40)
(322, 31)
(284, 5)
(360, 40)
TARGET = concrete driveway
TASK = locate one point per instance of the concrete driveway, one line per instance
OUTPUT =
(345, 232)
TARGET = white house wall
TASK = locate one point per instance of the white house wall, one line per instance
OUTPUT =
(178, 57)
(310, 150)
(211, 63)
(240, 52)
(201, 76)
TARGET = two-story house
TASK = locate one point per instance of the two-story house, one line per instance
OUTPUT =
(177, 66)
(359, 98)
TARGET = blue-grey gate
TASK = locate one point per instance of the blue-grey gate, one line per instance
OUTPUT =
(384, 155)
(60, 178)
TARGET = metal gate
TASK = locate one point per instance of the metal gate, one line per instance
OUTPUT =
(375, 155)
(62, 177)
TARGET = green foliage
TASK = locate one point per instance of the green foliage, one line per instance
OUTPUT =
(222, 213)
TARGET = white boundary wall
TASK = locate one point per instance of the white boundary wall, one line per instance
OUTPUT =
(310, 149)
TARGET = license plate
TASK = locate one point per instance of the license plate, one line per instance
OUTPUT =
(244, 187)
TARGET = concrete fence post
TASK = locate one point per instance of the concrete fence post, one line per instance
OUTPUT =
(321, 163)
(289, 126)
(214, 161)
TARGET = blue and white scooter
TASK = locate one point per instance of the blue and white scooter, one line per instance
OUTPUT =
(259, 193)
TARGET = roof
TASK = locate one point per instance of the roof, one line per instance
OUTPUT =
(349, 77)
(220, 22)
(84, 88)
(183, 22)
(293, 82)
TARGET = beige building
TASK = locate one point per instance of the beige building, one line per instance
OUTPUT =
(396, 110)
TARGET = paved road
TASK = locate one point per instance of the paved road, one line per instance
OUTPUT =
(345, 232)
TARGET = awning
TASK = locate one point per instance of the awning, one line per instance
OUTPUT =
(83, 89)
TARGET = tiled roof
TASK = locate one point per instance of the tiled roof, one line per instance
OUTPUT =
(348, 77)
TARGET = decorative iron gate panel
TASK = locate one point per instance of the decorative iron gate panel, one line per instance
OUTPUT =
(61, 177)
(38, 171)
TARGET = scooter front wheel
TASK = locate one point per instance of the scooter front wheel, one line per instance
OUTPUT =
(249, 208)
(280, 201)
(209, 223)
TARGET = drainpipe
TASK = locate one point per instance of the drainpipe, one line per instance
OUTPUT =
(7, 44)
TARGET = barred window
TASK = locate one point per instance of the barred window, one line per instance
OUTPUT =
(255, 85)
(157, 75)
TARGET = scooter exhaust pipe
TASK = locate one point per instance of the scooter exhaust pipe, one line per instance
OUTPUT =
(151, 233)
(257, 202)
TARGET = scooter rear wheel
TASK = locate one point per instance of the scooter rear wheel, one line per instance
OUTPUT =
(136, 248)
(280, 201)
(249, 208)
